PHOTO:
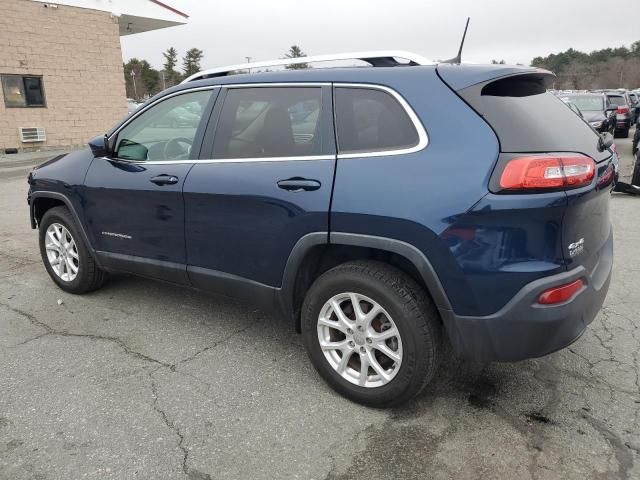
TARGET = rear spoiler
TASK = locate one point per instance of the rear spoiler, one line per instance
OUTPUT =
(462, 76)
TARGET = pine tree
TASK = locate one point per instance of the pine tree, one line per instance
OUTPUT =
(191, 61)
(296, 52)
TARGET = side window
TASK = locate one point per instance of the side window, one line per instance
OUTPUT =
(165, 131)
(370, 120)
(269, 122)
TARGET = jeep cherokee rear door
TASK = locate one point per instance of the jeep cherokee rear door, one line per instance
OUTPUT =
(263, 181)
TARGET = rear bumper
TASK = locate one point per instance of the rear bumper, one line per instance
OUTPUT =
(525, 329)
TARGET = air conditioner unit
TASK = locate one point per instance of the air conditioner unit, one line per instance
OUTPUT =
(32, 134)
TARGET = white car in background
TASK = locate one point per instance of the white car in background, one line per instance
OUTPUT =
(132, 105)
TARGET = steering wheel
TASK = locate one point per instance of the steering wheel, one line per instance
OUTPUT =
(174, 148)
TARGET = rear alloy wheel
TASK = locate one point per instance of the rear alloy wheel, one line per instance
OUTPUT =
(359, 340)
(371, 332)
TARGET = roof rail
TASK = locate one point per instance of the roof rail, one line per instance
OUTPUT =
(385, 58)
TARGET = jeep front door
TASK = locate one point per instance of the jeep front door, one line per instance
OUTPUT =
(134, 205)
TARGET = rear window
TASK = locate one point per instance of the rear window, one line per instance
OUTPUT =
(587, 103)
(527, 118)
(617, 100)
(370, 120)
(267, 122)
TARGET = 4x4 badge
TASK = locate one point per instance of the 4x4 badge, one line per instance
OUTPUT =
(576, 248)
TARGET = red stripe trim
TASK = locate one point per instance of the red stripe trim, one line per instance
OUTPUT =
(164, 5)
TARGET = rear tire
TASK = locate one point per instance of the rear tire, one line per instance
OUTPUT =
(406, 314)
(73, 268)
(625, 133)
(635, 178)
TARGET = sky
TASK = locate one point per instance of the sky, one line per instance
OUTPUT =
(513, 30)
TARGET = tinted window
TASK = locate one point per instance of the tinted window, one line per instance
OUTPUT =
(269, 122)
(537, 122)
(165, 131)
(369, 120)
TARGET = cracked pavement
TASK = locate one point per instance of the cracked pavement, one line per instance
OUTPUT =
(150, 381)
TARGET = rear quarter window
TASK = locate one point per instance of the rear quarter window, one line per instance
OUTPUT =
(371, 120)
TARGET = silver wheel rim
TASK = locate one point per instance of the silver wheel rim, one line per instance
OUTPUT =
(360, 340)
(62, 252)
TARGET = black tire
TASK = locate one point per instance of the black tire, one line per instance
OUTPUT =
(412, 311)
(635, 178)
(625, 133)
(89, 277)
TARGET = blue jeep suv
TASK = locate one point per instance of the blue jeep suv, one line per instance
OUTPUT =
(380, 210)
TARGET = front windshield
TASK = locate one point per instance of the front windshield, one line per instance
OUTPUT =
(588, 103)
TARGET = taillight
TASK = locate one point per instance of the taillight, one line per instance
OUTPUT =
(623, 110)
(542, 172)
(560, 294)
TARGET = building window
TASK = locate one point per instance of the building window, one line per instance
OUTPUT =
(23, 91)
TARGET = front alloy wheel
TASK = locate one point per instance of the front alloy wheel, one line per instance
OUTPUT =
(359, 340)
(62, 252)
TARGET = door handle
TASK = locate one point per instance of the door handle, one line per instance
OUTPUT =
(164, 180)
(299, 184)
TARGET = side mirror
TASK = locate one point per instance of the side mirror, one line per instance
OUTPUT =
(606, 140)
(101, 146)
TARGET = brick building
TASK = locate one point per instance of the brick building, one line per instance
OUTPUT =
(61, 67)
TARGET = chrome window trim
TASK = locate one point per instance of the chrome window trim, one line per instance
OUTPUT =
(158, 100)
(224, 160)
(423, 138)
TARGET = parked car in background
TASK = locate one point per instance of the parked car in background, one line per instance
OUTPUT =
(573, 107)
(132, 106)
(624, 116)
(596, 109)
(635, 105)
(356, 208)
(182, 117)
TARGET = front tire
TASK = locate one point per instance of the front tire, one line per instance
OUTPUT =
(372, 333)
(65, 254)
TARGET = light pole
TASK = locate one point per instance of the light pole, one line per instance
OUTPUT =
(248, 61)
(133, 78)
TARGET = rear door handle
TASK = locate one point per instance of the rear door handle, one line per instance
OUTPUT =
(164, 180)
(299, 184)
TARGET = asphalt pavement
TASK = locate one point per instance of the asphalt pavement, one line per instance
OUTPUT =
(143, 380)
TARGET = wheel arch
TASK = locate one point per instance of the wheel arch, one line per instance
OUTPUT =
(318, 252)
(42, 201)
